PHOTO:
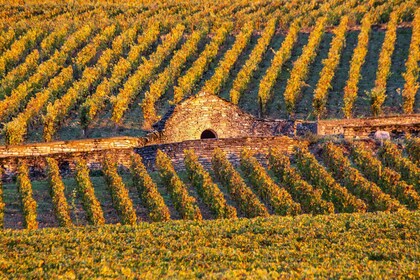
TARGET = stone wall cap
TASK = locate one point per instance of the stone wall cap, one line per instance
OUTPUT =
(242, 139)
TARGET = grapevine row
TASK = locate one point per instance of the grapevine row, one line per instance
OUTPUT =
(240, 192)
(221, 74)
(144, 41)
(279, 199)
(19, 73)
(6, 39)
(85, 189)
(185, 204)
(148, 191)
(16, 130)
(281, 56)
(309, 167)
(341, 168)
(145, 72)
(2, 204)
(412, 67)
(61, 207)
(330, 65)
(168, 76)
(19, 49)
(55, 39)
(309, 198)
(301, 66)
(245, 74)
(45, 71)
(119, 193)
(25, 190)
(413, 149)
(207, 190)
(387, 179)
(187, 82)
(88, 53)
(356, 63)
(392, 157)
(120, 71)
(378, 93)
(57, 111)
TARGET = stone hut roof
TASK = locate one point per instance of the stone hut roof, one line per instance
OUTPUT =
(188, 103)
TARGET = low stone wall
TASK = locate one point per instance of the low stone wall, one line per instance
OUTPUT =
(74, 146)
(350, 128)
(205, 149)
(37, 164)
(93, 150)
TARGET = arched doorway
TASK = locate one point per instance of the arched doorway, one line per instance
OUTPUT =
(208, 134)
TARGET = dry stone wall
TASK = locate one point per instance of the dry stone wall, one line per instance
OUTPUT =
(93, 150)
(63, 147)
(350, 128)
(205, 149)
(66, 162)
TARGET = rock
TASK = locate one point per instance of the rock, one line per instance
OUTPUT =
(382, 135)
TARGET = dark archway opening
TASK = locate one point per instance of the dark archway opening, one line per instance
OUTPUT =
(208, 134)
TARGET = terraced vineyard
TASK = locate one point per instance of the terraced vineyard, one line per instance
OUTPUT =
(324, 179)
(84, 70)
(276, 196)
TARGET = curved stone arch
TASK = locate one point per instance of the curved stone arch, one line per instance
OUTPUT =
(209, 134)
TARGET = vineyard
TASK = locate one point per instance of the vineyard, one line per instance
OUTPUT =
(381, 245)
(85, 70)
(324, 178)
(107, 169)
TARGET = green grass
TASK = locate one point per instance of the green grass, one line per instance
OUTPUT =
(374, 245)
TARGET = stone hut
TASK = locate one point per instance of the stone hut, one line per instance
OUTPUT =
(206, 115)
